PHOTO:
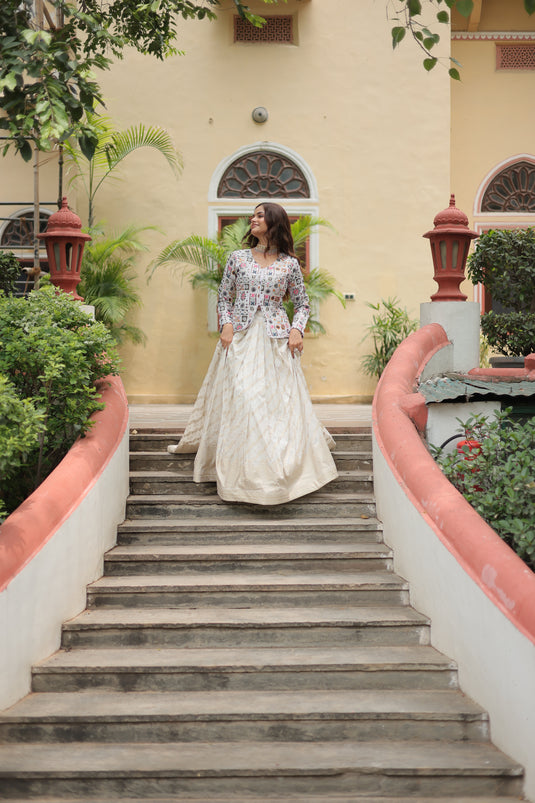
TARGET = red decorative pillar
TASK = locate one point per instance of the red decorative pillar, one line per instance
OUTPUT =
(65, 243)
(450, 241)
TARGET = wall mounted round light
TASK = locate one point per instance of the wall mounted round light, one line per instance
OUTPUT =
(260, 114)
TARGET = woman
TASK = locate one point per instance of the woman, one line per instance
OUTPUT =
(253, 426)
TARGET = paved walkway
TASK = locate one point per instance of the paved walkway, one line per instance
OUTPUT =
(172, 416)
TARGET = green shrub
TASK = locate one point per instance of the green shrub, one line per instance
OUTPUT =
(9, 271)
(510, 333)
(52, 354)
(499, 481)
(20, 427)
(504, 262)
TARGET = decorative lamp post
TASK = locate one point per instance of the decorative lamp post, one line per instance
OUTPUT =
(450, 241)
(65, 244)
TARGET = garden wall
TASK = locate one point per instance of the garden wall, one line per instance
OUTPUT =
(52, 546)
(478, 594)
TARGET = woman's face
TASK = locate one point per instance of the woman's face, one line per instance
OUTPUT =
(258, 223)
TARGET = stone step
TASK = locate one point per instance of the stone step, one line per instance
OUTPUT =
(360, 668)
(257, 627)
(181, 482)
(243, 716)
(214, 769)
(171, 558)
(189, 531)
(349, 460)
(232, 589)
(143, 441)
(319, 504)
(279, 799)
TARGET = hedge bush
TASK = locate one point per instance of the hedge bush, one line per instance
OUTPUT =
(499, 482)
(51, 354)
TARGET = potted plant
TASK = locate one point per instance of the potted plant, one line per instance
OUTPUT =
(504, 263)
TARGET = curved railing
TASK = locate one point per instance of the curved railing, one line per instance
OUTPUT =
(399, 418)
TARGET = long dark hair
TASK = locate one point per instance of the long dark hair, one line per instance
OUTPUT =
(279, 232)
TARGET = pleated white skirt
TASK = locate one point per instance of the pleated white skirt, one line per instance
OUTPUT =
(253, 425)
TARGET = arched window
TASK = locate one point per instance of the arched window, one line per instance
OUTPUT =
(511, 190)
(262, 171)
(261, 174)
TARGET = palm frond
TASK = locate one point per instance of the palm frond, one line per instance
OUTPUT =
(233, 235)
(122, 143)
(127, 242)
(320, 284)
(302, 227)
(194, 251)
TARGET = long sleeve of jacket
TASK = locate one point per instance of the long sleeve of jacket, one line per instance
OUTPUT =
(298, 294)
(227, 293)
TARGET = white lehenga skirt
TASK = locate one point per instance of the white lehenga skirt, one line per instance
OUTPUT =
(253, 426)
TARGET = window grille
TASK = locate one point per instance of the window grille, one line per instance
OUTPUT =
(261, 174)
(515, 57)
(512, 190)
(277, 29)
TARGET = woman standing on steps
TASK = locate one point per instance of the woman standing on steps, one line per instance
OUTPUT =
(253, 426)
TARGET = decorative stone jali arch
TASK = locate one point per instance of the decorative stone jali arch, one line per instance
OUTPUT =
(505, 200)
(262, 171)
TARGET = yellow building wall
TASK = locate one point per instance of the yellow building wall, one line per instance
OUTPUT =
(493, 117)
(371, 125)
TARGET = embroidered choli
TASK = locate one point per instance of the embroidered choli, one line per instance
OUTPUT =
(247, 287)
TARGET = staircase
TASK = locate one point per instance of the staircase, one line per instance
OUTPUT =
(237, 654)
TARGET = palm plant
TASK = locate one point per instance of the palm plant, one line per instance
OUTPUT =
(389, 327)
(112, 148)
(203, 261)
(108, 280)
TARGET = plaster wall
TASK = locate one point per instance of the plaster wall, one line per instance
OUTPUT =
(52, 586)
(496, 661)
(371, 125)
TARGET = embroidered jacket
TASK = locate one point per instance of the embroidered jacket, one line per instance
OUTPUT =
(247, 287)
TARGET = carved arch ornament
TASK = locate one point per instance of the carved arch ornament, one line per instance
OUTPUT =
(511, 190)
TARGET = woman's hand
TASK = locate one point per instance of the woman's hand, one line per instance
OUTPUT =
(227, 333)
(295, 341)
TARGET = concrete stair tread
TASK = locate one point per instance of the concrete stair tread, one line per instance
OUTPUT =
(252, 525)
(181, 474)
(247, 759)
(321, 496)
(235, 617)
(248, 580)
(288, 798)
(215, 552)
(237, 705)
(132, 659)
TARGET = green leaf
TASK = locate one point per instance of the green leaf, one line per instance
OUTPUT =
(87, 145)
(430, 42)
(529, 5)
(430, 63)
(443, 16)
(26, 151)
(414, 7)
(454, 73)
(398, 34)
(465, 7)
